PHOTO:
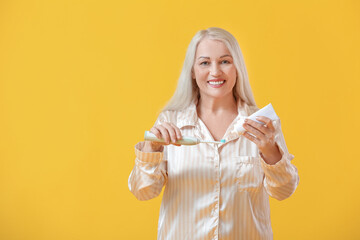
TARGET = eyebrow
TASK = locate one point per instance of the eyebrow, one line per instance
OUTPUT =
(227, 55)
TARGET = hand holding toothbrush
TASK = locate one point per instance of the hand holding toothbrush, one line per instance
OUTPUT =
(167, 131)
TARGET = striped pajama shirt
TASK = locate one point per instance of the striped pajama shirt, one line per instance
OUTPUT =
(212, 191)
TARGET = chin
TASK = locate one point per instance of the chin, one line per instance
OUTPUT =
(219, 95)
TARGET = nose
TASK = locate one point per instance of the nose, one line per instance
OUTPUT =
(215, 70)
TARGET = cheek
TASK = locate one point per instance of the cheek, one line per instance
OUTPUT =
(199, 73)
(199, 82)
(231, 72)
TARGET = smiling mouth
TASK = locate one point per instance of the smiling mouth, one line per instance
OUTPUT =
(216, 83)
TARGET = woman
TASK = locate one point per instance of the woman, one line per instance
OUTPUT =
(214, 191)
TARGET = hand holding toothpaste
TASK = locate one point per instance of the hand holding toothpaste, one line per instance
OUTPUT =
(259, 129)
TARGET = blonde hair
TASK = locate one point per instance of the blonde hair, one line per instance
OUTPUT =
(187, 90)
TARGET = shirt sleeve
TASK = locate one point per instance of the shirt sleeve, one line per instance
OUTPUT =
(281, 179)
(149, 174)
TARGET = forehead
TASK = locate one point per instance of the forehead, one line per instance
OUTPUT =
(211, 48)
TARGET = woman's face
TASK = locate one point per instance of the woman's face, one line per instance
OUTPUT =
(214, 69)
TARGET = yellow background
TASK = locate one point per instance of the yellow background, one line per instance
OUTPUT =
(80, 82)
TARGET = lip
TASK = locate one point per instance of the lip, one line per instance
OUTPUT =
(216, 80)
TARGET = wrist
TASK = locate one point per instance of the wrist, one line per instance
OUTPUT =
(271, 157)
(270, 160)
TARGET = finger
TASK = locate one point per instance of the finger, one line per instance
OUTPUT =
(259, 126)
(254, 131)
(251, 138)
(177, 130)
(164, 133)
(154, 144)
(171, 131)
(270, 125)
(263, 119)
(156, 131)
(267, 121)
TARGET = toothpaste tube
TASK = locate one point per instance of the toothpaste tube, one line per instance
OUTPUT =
(267, 111)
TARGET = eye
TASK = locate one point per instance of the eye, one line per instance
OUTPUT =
(203, 63)
(226, 61)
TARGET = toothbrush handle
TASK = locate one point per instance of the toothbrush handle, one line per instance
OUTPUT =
(184, 141)
(152, 137)
(188, 141)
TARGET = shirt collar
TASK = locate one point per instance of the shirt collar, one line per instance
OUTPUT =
(189, 117)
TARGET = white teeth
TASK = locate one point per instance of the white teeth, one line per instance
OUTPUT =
(217, 83)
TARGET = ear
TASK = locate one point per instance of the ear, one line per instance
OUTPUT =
(192, 74)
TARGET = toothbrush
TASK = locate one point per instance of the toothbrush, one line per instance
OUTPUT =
(186, 140)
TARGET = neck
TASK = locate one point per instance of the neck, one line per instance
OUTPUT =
(216, 106)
